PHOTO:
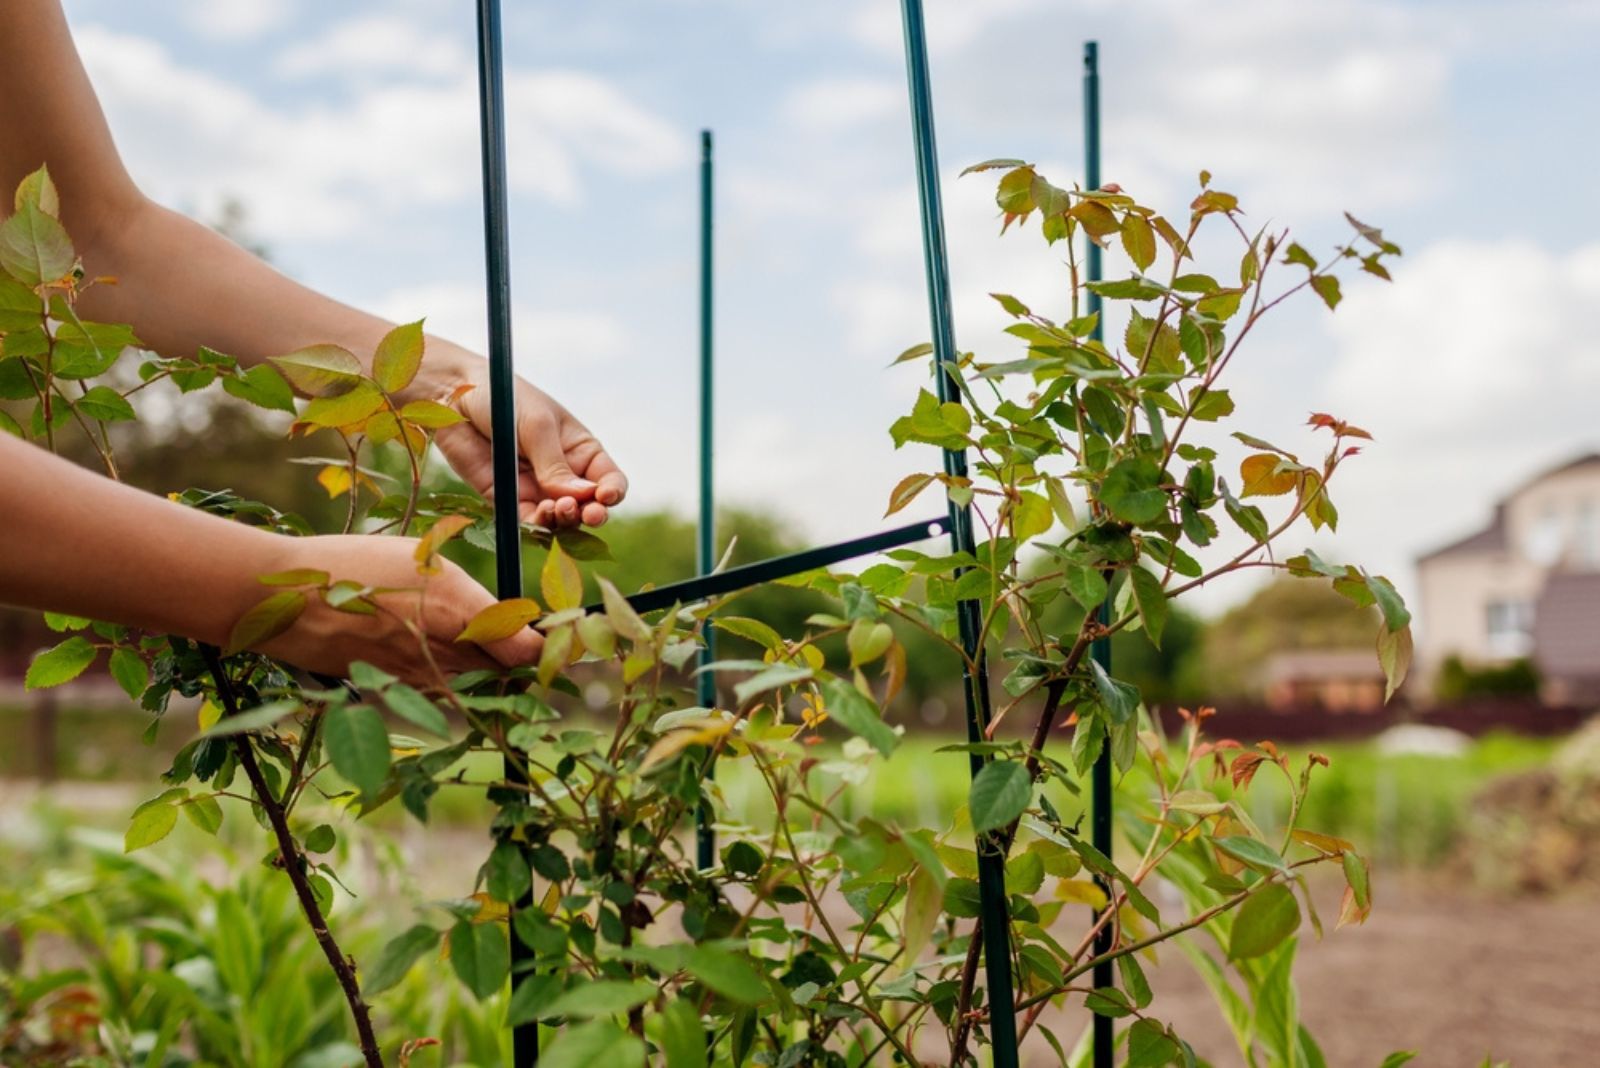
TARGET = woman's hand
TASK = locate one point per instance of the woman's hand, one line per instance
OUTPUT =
(567, 477)
(423, 607)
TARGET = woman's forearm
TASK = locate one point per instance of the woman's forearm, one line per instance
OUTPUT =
(74, 542)
(181, 285)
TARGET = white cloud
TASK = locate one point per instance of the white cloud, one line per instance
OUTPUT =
(326, 170)
(374, 43)
(547, 340)
(832, 104)
(237, 19)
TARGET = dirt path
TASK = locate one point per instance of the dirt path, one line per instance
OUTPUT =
(1444, 972)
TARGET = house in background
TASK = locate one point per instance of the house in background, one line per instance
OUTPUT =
(1526, 586)
(1332, 680)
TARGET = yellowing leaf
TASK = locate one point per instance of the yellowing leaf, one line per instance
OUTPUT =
(1031, 516)
(500, 621)
(335, 479)
(1265, 475)
(428, 545)
(267, 620)
(560, 580)
(699, 732)
(398, 356)
(346, 409)
(1394, 655)
(1083, 891)
(906, 491)
(300, 576)
(430, 414)
(208, 715)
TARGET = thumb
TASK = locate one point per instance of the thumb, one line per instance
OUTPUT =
(541, 445)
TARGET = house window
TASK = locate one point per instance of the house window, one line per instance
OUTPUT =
(1545, 538)
(1510, 626)
(1588, 534)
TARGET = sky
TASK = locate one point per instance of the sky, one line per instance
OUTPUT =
(349, 133)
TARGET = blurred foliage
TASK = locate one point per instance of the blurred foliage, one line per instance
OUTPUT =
(1282, 616)
(1458, 682)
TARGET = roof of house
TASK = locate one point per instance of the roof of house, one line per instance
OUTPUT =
(1323, 664)
(1492, 538)
(1566, 626)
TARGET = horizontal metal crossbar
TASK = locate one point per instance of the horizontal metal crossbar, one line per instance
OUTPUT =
(778, 567)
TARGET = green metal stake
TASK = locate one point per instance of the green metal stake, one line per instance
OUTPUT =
(1100, 779)
(991, 859)
(705, 838)
(502, 395)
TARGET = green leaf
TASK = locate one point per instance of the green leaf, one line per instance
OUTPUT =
(60, 664)
(593, 1045)
(681, 1036)
(130, 671)
(1149, 1046)
(20, 307)
(34, 247)
(993, 165)
(398, 356)
(1327, 287)
(409, 704)
(267, 620)
(1120, 699)
(1138, 240)
(1151, 600)
(1134, 983)
(1000, 794)
(258, 717)
(729, 974)
(598, 998)
(149, 825)
(772, 678)
(397, 958)
(856, 713)
(1135, 288)
(751, 630)
(508, 873)
(262, 387)
(204, 812)
(1032, 517)
(1209, 405)
(1087, 586)
(1397, 1058)
(105, 405)
(915, 352)
(1266, 918)
(480, 957)
(868, 639)
(320, 839)
(319, 370)
(1131, 491)
(1252, 851)
(1395, 614)
(358, 745)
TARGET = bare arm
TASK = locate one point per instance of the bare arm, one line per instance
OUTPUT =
(182, 285)
(79, 543)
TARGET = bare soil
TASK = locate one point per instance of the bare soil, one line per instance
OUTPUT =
(1454, 975)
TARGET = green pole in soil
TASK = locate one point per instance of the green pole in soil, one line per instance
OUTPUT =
(502, 394)
(1100, 779)
(991, 857)
(705, 838)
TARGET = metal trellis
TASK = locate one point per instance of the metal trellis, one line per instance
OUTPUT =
(957, 523)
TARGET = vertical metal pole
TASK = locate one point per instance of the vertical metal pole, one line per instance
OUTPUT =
(991, 859)
(705, 839)
(1100, 780)
(502, 387)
